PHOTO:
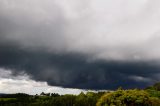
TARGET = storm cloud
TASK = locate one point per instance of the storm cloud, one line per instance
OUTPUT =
(82, 44)
(74, 71)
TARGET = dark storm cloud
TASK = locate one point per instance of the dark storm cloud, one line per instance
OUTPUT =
(72, 70)
(83, 44)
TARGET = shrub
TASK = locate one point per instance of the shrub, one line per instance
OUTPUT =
(128, 98)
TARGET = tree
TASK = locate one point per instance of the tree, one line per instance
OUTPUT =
(157, 86)
(42, 94)
(127, 98)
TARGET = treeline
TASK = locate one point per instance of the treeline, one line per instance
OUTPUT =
(132, 97)
(51, 99)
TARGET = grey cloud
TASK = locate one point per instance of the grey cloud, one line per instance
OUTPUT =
(102, 29)
(83, 44)
(73, 70)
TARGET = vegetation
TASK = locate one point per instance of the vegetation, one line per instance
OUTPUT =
(133, 97)
(88, 99)
(128, 98)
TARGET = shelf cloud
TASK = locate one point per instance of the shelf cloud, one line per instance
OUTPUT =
(82, 44)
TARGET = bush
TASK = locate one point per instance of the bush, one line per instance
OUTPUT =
(128, 98)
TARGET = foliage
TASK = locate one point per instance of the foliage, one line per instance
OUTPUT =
(153, 93)
(156, 87)
(53, 99)
(128, 98)
(133, 97)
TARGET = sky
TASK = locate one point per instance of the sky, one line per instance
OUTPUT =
(22, 83)
(66, 44)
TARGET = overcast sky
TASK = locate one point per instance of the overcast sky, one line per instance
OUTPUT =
(93, 44)
(23, 84)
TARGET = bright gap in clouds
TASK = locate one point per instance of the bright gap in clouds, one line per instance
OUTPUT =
(23, 84)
